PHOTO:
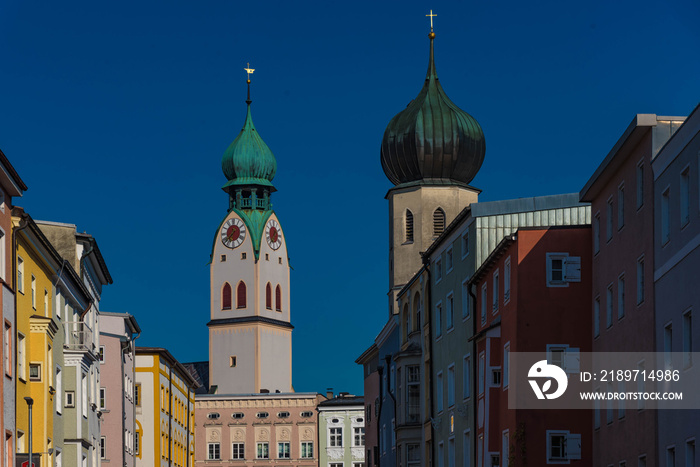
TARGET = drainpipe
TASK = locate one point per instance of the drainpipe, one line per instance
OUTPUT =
(429, 319)
(23, 224)
(170, 417)
(380, 370)
(387, 358)
(189, 391)
(473, 380)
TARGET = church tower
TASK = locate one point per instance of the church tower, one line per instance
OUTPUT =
(250, 335)
(430, 152)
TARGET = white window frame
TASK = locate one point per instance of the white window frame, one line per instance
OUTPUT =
(568, 263)
(304, 454)
(335, 438)
(449, 260)
(438, 269)
(212, 455)
(566, 456)
(20, 275)
(466, 377)
(450, 311)
(465, 242)
(237, 454)
(495, 297)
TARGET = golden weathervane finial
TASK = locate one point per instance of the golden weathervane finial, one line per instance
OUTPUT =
(431, 15)
(250, 70)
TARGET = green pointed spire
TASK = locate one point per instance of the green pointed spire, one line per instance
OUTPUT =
(248, 160)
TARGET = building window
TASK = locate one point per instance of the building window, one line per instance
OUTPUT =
(307, 450)
(214, 451)
(609, 306)
(451, 386)
(483, 304)
(450, 311)
(665, 219)
(409, 226)
(685, 196)
(283, 451)
(241, 295)
(449, 263)
(137, 395)
(413, 393)
(506, 364)
(563, 446)
(307, 414)
(506, 280)
(278, 298)
(102, 398)
(262, 415)
(451, 452)
(596, 317)
(438, 320)
(46, 303)
(671, 457)
(466, 377)
(59, 390)
(621, 296)
(621, 403)
(690, 453)
(336, 437)
(101, 354)
(640, 184)
(668, 345)
(609, 219)
(465, 299)
(35, 372)
(482, 371)
(70, 399)
(496, 291)
(226, 297)
(223, 258)
(465, 244)
(620, 206)
(33, 292)
(232, 361)
(438, 222)
(438, 270)
(268, 296)
(359, 439)
(243, 256)
(263, 451)
(238, 451)
(640, 280)
(7, 349)
(20, 275)
(596, 412)
(562, 269)
(21, 356)
(103, 448)
(687, 339)
(596, 233)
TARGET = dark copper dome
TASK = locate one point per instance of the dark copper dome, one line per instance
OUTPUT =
(432, 140)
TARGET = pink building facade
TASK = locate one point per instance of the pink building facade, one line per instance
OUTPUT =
(118, 394)
(622, 206)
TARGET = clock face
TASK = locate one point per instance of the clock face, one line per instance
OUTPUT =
(233, 233)
(273, 235)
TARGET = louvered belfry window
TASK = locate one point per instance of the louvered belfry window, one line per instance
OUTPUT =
(438, 222)
(226, 297)
(241, 295)
(409, 226)
(268, 296)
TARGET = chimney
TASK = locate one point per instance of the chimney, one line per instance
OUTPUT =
(329, 393)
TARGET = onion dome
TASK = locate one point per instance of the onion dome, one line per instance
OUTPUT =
(248, 160)
(432, 140)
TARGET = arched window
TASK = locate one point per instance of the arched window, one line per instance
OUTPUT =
(409, 226)
(438, 222)
(226, 296)
(278, 298)
(268, 296)
(416, 312)
(240, 295)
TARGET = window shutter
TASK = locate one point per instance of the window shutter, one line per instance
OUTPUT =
(409, 226)
(573, 446)
(572, 269)
(438, 222)
(572, 360)
(226, 297)
(241, 296)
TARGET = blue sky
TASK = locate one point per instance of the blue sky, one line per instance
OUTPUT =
(117, 114)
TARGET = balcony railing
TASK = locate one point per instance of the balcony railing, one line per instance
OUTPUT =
(78, 336)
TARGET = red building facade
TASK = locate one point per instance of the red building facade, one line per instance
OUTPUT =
(533, 294)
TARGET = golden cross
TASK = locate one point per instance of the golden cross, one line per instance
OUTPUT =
(249, 70)
(431, 19)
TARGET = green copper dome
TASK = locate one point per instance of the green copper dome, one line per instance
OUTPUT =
(248, 160)
(432, 140)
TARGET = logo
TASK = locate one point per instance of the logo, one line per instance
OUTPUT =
(542, 369)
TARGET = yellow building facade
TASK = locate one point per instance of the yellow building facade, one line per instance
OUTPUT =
(164, 410)
(37, 264)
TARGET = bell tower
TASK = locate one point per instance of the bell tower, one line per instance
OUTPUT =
(430, 151)
(250, 334)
